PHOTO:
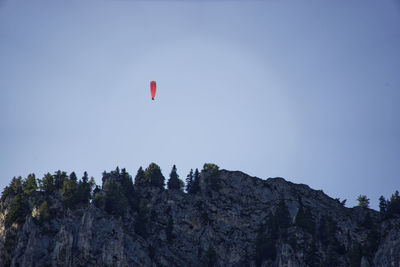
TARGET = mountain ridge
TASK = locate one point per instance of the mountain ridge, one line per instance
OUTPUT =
(231, 219)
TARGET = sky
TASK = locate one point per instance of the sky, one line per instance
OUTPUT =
(305, 90)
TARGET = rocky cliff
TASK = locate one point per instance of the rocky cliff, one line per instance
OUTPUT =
(232, 220)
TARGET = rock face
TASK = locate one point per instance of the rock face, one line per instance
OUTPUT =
(237, 221)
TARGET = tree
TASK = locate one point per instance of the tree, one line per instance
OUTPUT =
(73, 177)
(59, 178)
(189, 181)
(196, 182)
(382, 205)
(128, 189)
(140, 178)
(212, 176)
(18, 210)
(115, 202)
(154, 176)
(85, 177)
(69, 193)
(363, 201)
(14, 188)
(47, 184)
(84, 189)
(174, 183)
(29, 185)
(393, 204)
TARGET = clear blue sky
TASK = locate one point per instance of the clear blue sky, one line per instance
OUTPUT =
(305, 90)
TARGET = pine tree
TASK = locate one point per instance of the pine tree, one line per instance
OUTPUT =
(69, 193)
(18, 210)
(196, 182)
(47, 184)
(140, 178)
(59, 178)
(363, 201)
(73, 177)
(14, 188)
(128, 189)
(174, 183)
(382, 205)
(29, 186)
(154, 176)
(189, 181)
(85, 178)
(393, 206)
(84, 189)
(115, 202)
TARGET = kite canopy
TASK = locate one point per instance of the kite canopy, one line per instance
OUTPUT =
(153, 87)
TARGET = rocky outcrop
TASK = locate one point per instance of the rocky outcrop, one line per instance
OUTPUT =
(237, 221)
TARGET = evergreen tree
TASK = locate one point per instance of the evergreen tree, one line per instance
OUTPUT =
(189, 181)
(140, 178)
(363, 201)
(69, 193)
(14, 188)
(73, 177)
(128, 189)
(196, 182)
(59, 178)
(212, 176)
(154, 176)
(85, 178)
(174, 183)
(393, 206)
(382, 205)
(18, 210)
(47, 184)
(29, 186)
(84, 189)
(115, 202)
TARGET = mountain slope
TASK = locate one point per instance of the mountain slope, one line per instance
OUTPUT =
(232, 220)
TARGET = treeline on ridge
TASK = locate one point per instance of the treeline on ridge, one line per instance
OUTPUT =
(32, 196)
